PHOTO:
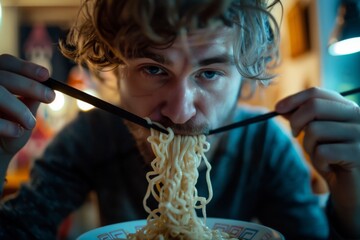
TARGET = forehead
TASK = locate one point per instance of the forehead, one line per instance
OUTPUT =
(200, 43)
(206, 36)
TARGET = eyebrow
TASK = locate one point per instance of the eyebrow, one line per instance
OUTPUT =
(156, 57)
(222, 59)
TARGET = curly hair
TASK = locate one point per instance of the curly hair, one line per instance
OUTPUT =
(109, 31)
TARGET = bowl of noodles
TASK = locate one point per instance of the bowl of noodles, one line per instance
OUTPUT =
(172, 183)
(225, 228)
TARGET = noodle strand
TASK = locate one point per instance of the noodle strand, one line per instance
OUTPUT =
(172, 183)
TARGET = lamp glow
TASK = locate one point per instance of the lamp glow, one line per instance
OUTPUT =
(345, 47)
(83, 106)
(345, 38)
(58, 102)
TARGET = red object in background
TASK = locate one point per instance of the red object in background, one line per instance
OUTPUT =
(35, 146)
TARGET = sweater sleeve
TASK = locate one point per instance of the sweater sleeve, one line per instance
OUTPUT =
(289, 204)
(59, 183)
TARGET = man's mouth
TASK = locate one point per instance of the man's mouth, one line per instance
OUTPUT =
(189, 128)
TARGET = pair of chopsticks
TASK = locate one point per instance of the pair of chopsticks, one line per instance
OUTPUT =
(265, 116)
(96, 102)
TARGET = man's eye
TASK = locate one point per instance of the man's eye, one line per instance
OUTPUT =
(153, 70)
(210, 75)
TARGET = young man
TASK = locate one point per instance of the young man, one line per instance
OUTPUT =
(181, 63)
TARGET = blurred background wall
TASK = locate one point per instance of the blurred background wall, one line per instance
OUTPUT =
(306, 26)
(336, 72)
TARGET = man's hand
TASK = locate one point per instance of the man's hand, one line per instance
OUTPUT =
(20, 95)
(331, 125)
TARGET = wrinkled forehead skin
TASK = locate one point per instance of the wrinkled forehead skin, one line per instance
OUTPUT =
(204, 42)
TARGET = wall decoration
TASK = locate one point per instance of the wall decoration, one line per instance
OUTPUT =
(299, 29)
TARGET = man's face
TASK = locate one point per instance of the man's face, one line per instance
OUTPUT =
(191, 86)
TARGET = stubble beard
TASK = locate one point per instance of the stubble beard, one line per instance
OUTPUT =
(141, 134)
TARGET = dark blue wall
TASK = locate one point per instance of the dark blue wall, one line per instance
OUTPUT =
(337, 72)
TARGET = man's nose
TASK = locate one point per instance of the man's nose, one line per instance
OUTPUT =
(179, 104)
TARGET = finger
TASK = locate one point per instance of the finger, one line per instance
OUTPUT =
(292, 102)
(32, 105)
(323, 109)
(25, 87)
(12, 109)
(26, 68)
(320, 132)
(345, 156)
(12, 145)
(10, 129)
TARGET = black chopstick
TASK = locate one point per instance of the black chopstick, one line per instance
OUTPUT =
(264, 117)
(96, 102)
(245, 122)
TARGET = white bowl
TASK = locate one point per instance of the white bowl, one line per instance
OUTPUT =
(237, 229)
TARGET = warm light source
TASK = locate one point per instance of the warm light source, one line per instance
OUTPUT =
(345, 38)
(58, 103)
(83, 106)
